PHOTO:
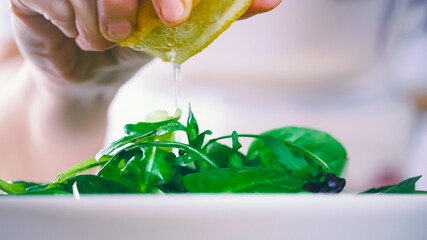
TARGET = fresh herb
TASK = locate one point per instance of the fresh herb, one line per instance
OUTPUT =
(406, 186)
(149, 160)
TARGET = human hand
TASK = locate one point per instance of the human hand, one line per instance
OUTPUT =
(68, 43)
(73, 42)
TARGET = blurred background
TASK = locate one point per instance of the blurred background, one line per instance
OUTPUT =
(353, 68)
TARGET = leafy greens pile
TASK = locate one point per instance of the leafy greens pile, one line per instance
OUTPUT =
(149, 160)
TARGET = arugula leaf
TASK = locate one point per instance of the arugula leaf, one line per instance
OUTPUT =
(12, 188)
(239, 180)
(140, 168)
(219, 153)
(236, 158)
(199, 140)
(144, 131)
(194, 138)
(156, 120)
(192, 126)
(92, 184)
(30, 188)
(81, 167)
(224, 156)
(406, 186)
(149, 160)
(199, 155)
(236, 143)
(46, 192)
(87, 184)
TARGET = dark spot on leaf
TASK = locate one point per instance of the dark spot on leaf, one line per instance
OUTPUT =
(330, 184)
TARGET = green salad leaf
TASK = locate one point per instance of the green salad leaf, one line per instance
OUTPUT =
(13, 188)
(317, 148)
(149, 160)
(246, 179)
(406, 186)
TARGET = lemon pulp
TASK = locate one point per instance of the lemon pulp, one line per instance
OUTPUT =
(208, 19)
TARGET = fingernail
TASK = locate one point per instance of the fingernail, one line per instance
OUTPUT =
(172, 10)
(119, 30)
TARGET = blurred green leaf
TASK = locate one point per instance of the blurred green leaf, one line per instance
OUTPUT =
(13, 188)
(92, 184)
(406, 186)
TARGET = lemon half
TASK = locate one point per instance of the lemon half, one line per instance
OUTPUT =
(208, 19)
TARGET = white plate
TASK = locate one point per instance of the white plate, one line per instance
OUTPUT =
(248, 217)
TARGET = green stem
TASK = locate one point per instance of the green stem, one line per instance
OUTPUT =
(230, 136)
(83, 166)
(179, 146)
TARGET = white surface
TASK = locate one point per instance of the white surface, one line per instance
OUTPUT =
(225, 217)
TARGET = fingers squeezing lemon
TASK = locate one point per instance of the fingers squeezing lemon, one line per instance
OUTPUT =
(208, 19)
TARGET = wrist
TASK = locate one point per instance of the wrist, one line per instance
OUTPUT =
(51, 87)
(70, 108)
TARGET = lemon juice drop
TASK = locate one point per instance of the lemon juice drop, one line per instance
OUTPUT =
(177, 76)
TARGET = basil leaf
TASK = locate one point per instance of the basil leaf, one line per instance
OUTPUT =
(174, 185)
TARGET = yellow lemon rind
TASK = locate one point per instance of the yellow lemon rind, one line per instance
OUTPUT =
(183, 53)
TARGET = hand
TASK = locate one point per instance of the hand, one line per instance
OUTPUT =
(59, 36)
(69, 43)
